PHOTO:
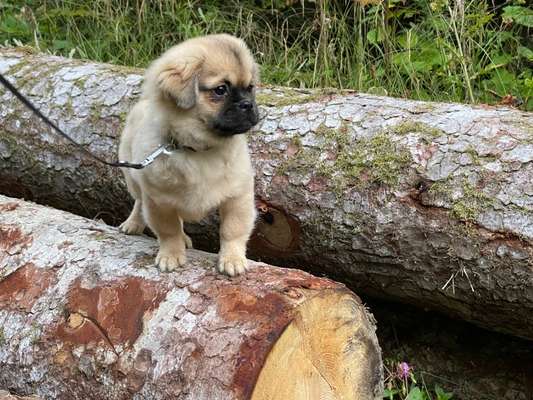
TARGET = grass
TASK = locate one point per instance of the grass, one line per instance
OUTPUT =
(465, 51)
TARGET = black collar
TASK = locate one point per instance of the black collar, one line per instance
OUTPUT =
(174, 145)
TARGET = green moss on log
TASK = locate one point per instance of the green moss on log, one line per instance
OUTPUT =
(290, 96)
(375, 160)
(428, 131)
(471, 203)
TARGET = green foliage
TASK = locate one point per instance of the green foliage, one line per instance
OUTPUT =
(401, 384)
(416, 394)
(520, 15)
(441, 394)
(448, 50)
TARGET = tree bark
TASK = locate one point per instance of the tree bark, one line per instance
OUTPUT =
(425, 203)
(84, 315)
(8, 396)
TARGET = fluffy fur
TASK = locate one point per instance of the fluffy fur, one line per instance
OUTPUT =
(182, 100)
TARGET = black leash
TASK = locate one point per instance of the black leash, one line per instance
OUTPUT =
(162, 149)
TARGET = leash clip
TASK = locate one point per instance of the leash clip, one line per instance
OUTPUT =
(162, 149)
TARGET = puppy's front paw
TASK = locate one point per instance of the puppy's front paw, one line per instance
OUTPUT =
(170, 257)
(232, 264)
(132, 227)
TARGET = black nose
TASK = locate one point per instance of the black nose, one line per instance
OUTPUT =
(245, 105)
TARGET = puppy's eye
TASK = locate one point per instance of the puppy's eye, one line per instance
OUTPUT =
(220, 90)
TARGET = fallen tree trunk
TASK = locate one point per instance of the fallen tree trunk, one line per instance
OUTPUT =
(83, 315)
(425, 203)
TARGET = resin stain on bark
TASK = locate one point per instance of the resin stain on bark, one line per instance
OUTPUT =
(115, 308)
(22, 288)
(11, 236)
(8, 207)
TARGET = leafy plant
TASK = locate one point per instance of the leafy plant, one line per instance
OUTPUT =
(401, 384)
(518, 14)
(441, 394)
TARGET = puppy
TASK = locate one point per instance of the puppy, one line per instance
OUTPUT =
(200, 97)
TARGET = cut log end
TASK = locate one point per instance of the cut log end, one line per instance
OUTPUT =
(319, 355)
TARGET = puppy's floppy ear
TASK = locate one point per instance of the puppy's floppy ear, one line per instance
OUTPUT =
(179, 80)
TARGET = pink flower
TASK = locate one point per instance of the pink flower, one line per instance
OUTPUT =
(403, 370)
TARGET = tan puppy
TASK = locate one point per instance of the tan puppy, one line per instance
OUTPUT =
(200, 96)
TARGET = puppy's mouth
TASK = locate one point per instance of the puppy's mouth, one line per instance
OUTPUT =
(229, 130)
(231, 124)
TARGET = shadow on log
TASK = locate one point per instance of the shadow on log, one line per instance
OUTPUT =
(83, 315)
(424, 203)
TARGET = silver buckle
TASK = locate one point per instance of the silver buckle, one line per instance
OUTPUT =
(162, 149)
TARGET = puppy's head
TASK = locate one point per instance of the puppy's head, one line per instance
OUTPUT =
(213, 77)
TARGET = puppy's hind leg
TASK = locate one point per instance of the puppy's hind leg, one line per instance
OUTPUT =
(135, 224)
(188, 240)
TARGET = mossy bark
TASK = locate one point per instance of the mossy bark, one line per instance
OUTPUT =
(425, 203)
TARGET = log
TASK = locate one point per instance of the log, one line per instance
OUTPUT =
(84, 314)
(424, 203)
